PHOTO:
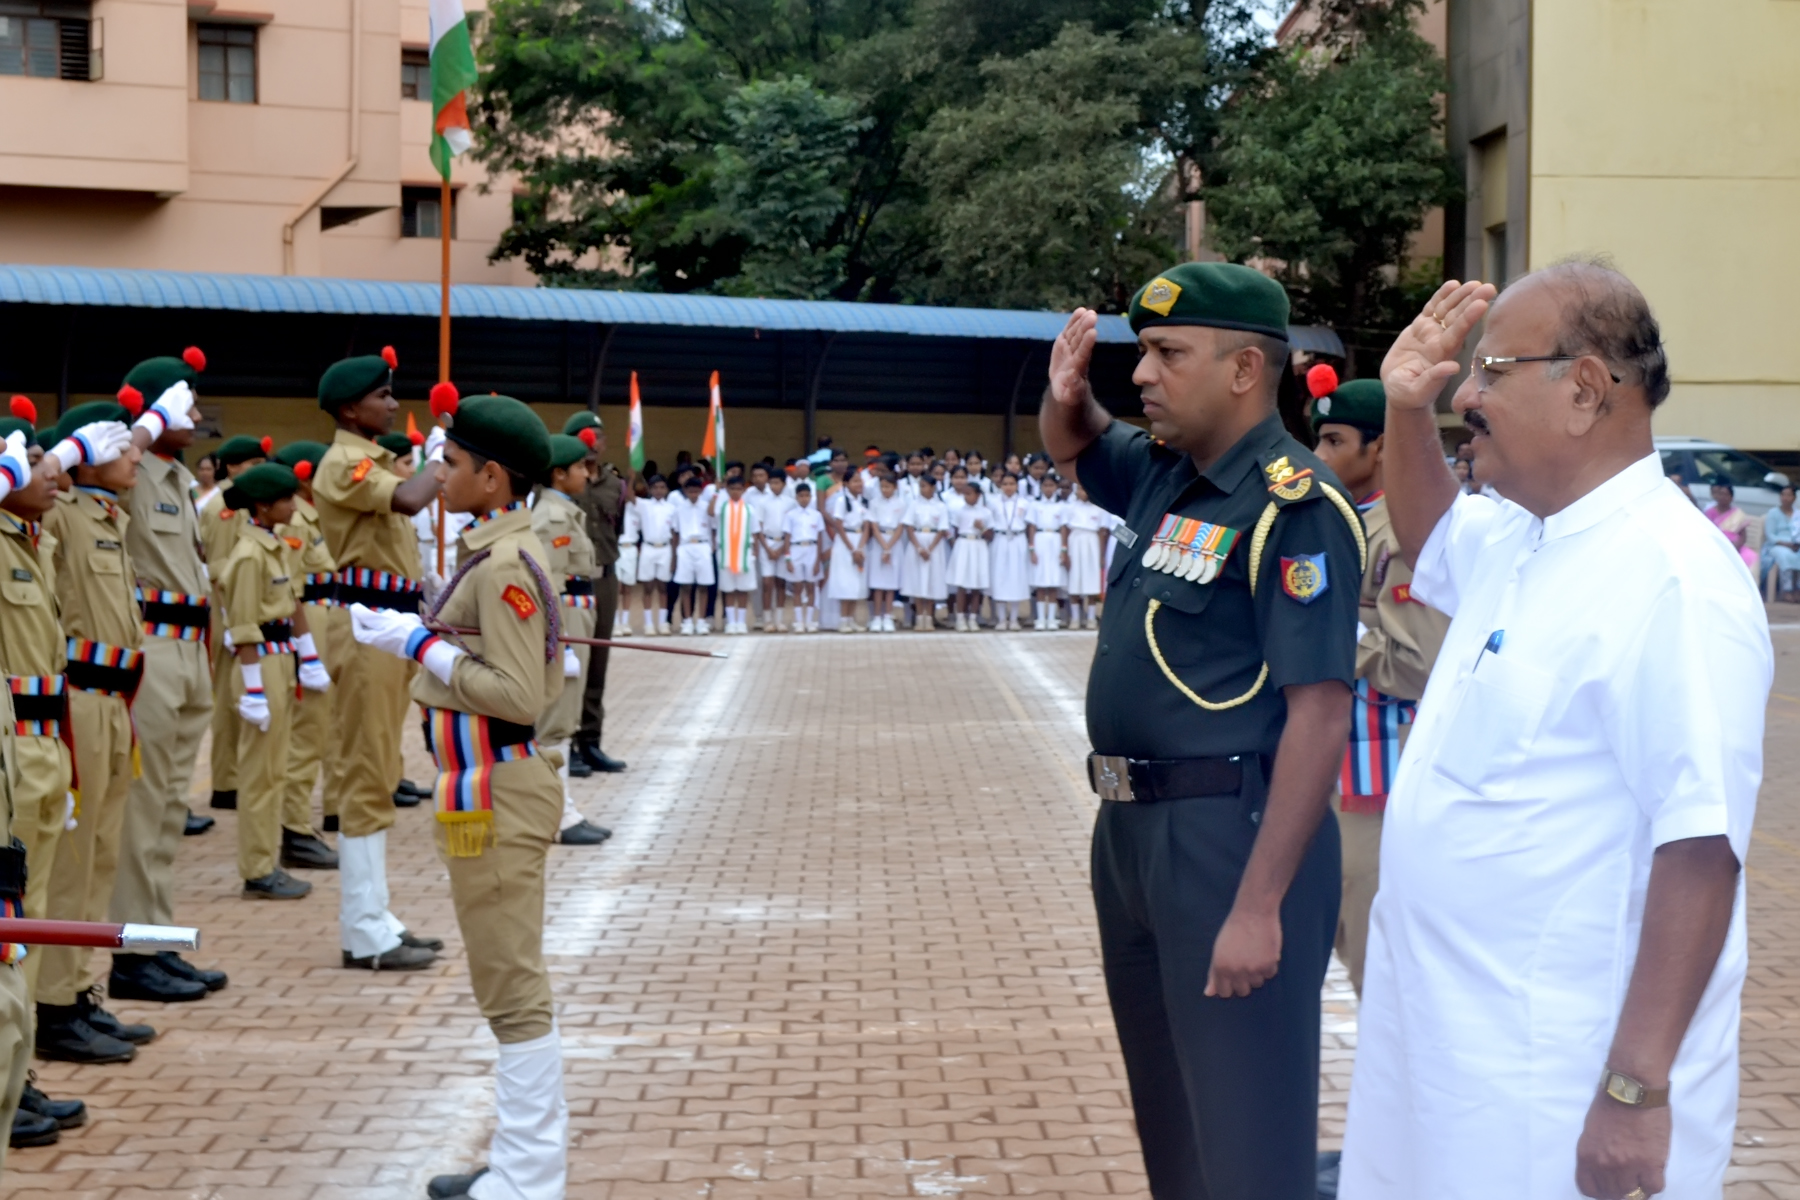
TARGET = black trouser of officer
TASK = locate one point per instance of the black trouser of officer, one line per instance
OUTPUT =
(593, 696)
(1226, 1091)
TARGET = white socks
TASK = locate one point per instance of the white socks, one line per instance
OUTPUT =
(529, 1157)
(366, 926)
(571, 816)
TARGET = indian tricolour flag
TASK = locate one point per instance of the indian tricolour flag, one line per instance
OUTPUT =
(715, 432)
(634, 429)
(452, 75)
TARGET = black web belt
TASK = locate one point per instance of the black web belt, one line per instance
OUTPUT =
(406, 602)
(29, 707)
(188, 616)
(1116, 777)
(578, 585)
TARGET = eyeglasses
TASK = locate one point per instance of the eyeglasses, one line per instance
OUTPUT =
(1485, 379)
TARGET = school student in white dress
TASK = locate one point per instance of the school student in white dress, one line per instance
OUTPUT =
(922, 565)
(968, 572)
(847, 517)
(769, 492)
(1032, 485)
(656, 554)
(1089, 526)
(802, 529)
(630, 534)
(887, 528)
(1049, 552)
(1009, 561)
(734, 520)
(693, 549)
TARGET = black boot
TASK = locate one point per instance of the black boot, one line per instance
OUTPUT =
(406, 799)
(600, 760)
(224, 799)
(578, 766)
(101, 1021)
(63, 1036)
(68, 1114)
(452, 1187)
(196, 825)
(411, 788)
(29, 1129)
(306, 850)
(144, 977)
(276, 885)
(181, 968)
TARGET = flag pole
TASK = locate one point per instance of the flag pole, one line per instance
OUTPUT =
(443, 335)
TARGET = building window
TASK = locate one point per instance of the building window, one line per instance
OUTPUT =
(1491, 168)
(228, 63)
(45, 40)
(415, 75)
(421, 212)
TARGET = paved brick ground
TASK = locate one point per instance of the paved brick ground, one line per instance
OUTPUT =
(840, 946)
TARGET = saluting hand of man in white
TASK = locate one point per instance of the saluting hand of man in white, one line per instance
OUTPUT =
(1423, 358)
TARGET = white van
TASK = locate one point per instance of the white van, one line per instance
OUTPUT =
(1755, 482)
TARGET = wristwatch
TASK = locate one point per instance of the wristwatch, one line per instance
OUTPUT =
(1631, 1092)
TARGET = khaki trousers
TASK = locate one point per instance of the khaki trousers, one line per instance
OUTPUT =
(224, 714)
(87, 857)
(1361, 834)
(171, 712)
(39, 803)
(373, 696)
(499, 898)
(312, 729)
(593, 704)
(262, 768)
(15, 1044)
(559, 721)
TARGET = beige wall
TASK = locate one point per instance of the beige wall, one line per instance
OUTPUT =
(1667, 134)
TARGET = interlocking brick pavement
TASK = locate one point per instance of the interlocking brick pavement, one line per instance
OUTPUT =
(841, 945)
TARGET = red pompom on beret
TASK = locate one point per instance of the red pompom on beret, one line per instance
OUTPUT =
(390, 358)
(268, 445)
(444, 399)
(1321, 380)
(589, 436)
(303, 470)
(194, 358)
(24, 409)
(132, 399)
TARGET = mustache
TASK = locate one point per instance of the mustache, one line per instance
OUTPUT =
(1475, 422)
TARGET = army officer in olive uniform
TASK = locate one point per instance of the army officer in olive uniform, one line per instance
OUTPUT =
(1218, 707)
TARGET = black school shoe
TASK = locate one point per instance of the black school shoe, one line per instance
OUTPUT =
(68, 1114)
(29, 1129)
(586, 833)
(88, 1003)
(181, 968)
(401, 958)
(407, 785)
(225, 799)
(451, 1187)
(276, 885)
(63, 1036)
(307, 852)
(196, 825)
(409, 938)
(406, 799)
(145, 977)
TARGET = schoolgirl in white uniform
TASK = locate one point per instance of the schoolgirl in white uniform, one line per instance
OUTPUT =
(922, 566)
(656, 555)
(848, 518)
(1088, 525)
(802, 530)
(630, 533)
(1032, 486)
(1009, 560)
(1049, 552)
(968, 572)
(883, 554)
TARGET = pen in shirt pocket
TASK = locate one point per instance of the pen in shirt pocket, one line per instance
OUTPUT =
(1492, 646)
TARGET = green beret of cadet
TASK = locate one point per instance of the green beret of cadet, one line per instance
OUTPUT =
(349, 380)
(154, 376)
(496, 427)
(580, 421)
(396, 444)
(1361, 402)
(242, 448)
(87, 414)
(12, 425)
(1222, 295)
(264, 483)
(295, 453)
(566, 451)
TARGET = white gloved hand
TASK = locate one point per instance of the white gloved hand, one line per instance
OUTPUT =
(571, 663)
(15, 466)
(383, 628)
(69, 810)
(434, 445)
(174, 409)
(313, 676)
(433, 584)
(253, 705)
(93, 445)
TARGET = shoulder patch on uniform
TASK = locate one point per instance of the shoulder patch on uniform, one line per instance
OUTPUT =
(361, 470)
(1304, 577)
(562, 541)
(294, 543)
(1403, 594)
(519, 600)
(1287, 481)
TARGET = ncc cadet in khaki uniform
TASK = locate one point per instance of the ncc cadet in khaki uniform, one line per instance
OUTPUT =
(561, 526)
(219, 527)
(603, 500)
(312, 730)
(364, 509)
(32, 656)
(174, 701)
(1218, 707)
(1397, 644)
(260, 588)
(97, 594)
(498, 800)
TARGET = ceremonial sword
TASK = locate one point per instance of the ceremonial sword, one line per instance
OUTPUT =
(134, 938)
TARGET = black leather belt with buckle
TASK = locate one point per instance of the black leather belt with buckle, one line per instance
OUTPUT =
(1116, 777)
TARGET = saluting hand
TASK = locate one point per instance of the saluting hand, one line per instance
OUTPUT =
(1070, 356)
(1423, 357)
(1246, 954)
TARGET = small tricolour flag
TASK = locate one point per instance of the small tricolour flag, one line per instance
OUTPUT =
(452, 75)
(634, 428)
(715, 432)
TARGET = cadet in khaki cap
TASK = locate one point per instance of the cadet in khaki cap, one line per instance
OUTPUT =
(260, 591)
(498, 800)
(96, 591)
(174, 703)
(219, 527)
(32, 655)
(1397, 643)
(364, 506)
(562, 527)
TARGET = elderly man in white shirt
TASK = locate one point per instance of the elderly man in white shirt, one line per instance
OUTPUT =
(1558, 946)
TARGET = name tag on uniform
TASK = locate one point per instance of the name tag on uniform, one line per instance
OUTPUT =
(1126, 535)
(278, 581)
(21, 575)
(102, 544)
(163, 506)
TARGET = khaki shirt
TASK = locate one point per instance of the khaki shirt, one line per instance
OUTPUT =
(164, 536)
(561, 526)
(31, 636)
(604, 504)
(257, 584)
(96, 584)
(314, 556)
(510, 672)
(1403, 636)
(219, 528)
(353, 491)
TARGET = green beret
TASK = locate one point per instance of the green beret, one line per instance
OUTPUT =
(397, 444)
(12, 425)
(154, 376)
(566, 451)
(583, 420)
(87, 414)
(349, 380)
(264, 483)
(1222, 295)
(295, 453)
(1361, 402)
(505, 430)
(241, 448)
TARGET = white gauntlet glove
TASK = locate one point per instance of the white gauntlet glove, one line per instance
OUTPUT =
(434, 445)
(15, 467)
(92, 445)
(571, 663)
(174, 409)
(404, 636)
(313, 676)
(253, 705)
